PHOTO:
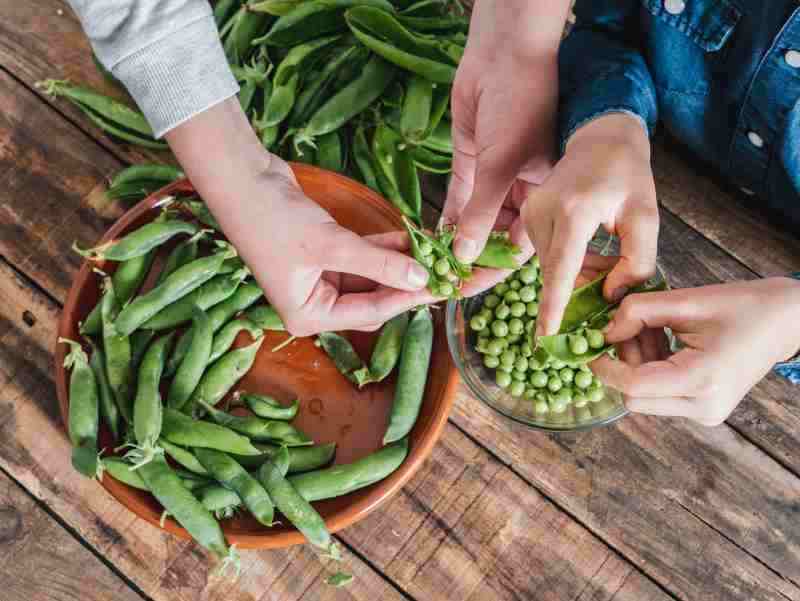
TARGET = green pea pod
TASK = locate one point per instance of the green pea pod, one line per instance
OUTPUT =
(313, 19)
(345, 478)
(268, 408)
(220, 500)
(225, 338)
(133, 192)
(287, 79)
(247, 26)
(200, 211)
(148, 172)
(351, 100)
(127, 279)
(177, 285)
(167, 488)
(329, 152)
(405, 50)
(441, 139)
(296, 509)
(317, 87)
(417, 106)
(119, 132)
(184, 431)
(385, 143)
(147, 406)
(251, 77)
(139, 342)
(257, 429)
(277, 8)
(230, 474)
(431, 161)
(584, 304)
(222, 376)
(412, 376)
(425, 8)
(433, 24)
(386, 352)
(214, 291)
(266, 318)
(121, 470)
(408, 182)
(246, 295)
(194, 364)
(183, 457)
(499, 252)
(363, 159)
(394, 95)
(108, 404)
(84, 419)
(118, 354)
(301, 459)
(139, 242)
(440, 105)
(224, 9)
(344, 356)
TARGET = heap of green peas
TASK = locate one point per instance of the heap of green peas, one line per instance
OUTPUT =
(444, 279)
(503, 327)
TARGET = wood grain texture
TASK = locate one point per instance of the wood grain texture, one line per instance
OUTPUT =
(40, 561)
(44, 40)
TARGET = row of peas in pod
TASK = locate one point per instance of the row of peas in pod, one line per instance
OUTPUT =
(361, 87)
(162, 358)
(503, 328)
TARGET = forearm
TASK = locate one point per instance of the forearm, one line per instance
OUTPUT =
(534, 27)
(167, 53)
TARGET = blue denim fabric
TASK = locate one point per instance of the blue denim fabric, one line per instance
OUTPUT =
(790, 369)
(715, 73)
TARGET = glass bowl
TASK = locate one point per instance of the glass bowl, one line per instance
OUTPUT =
(481, 382)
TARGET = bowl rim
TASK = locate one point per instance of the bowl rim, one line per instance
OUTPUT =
(373, 496)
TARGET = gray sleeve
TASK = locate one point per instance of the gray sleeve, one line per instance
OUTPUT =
(166, 52)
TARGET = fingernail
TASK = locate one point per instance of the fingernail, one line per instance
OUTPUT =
(466, 250)
(617, 295)
(417, 275)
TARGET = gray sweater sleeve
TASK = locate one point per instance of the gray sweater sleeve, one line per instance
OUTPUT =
(166, 52)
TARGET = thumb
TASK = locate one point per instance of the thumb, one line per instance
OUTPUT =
(346, 252)
(647, 310)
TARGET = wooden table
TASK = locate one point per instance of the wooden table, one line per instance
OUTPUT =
(648, 509)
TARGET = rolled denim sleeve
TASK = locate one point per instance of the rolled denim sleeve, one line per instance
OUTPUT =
(601, 69)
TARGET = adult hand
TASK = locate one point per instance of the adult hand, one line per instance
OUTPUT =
(301, 257)
(504, 103)
(603, 179)
(733, 335)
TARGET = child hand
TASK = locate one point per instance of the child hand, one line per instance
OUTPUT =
(733, 334)
(603, 179)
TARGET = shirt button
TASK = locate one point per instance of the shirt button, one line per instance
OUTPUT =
(755, 139)
(674, 7)
(792, 58)
(747, 191)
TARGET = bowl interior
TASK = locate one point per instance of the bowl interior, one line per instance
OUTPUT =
(481, 380)
(331, 409)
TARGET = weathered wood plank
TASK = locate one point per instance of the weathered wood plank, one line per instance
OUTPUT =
(44, 40)
(40, 561)
(739, 229)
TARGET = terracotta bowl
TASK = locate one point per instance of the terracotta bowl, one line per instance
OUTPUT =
(332, 410)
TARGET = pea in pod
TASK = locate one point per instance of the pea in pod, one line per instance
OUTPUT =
(222, 376)
(118, 352)
(441, 138)
(412, 376)
(363, 159)
(225, 338)
(385, 148)
(247, 25)
(184, 431)
(329, 152)
(266, 318)
(224, 9)
(199, 211)
(139, 242)
(425, 8)
(430, 161)
(343, 479)
(351, 100)
(183, 457)
(344, 356)
(230, 474)
(287, 79)
(194, 364)
(121, 470)
(177, 285)
(84, 420)
(137, 182)
(257, 429)
(433, 24)
(417, 107)
(312, 19)
(296, 509)
(267, 407)
(277, 8)
(108, 404)
(386, 353)
(139, 341)
(317, 87)
(385, 36)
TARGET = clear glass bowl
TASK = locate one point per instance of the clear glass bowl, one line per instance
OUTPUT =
(481, 382)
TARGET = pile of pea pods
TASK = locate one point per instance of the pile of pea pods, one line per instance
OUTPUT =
(360, 87)
(162, 358)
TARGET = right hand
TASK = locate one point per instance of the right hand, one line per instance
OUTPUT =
(603, 179)
(302, 258)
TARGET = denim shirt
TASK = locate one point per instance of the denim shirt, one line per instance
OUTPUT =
(722, 76)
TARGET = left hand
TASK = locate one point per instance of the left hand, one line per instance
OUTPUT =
(733, 336)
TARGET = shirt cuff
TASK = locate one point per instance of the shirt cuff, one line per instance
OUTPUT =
(178, 76)
(790, 369)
